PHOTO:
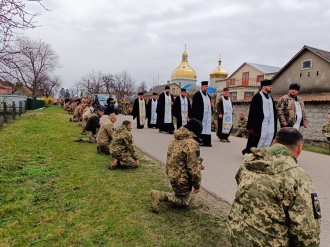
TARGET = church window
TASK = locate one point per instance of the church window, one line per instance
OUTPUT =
(317, 72)
(179, 83)
(300, 74)
(306, 64)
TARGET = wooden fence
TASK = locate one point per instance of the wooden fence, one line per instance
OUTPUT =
(8, 113)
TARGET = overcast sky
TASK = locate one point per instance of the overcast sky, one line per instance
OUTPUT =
(147, 37)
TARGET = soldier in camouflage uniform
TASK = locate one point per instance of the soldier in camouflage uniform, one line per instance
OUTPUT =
(275, 203)
(326, 128)
(105, 134)
(122, 148)
(85, 118)
(183, 166)
(78, 112)
(291, 109)
(93, 123)
(242, 126)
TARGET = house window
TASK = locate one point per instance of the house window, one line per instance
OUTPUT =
(173, 91)
(300, 74)
(248, 95)
(260, 78)
(232, 81)
(306, 64)
(233, 96)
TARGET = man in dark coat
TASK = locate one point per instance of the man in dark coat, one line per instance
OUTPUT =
(225, 114)
(140, 111)
(164, 111)
(262, 122)
(201, 109)
(151, 111)
(181, 109)
(110, 102)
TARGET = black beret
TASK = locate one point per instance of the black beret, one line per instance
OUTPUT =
(294, 86)
(183, 90)
(204, 83)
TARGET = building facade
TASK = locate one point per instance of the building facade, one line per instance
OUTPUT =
(245, 81)
(310, 67)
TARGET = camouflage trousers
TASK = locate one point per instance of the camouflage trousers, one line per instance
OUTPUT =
(242, 133)
(76, 119)
(90, 138)
(125, 160)
(180, 201)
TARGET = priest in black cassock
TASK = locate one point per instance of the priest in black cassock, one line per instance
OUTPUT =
(140, 111)
(201, 109)
(164, 111)
(262, 122)
(225, 114)
(181, 109)
(151, 111)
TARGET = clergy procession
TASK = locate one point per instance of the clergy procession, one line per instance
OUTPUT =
(268, 151)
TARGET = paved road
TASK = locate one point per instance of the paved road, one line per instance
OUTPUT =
(222, 161)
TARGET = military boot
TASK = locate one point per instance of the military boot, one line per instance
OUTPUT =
(77, 139)
(157, 196)
(113, 165)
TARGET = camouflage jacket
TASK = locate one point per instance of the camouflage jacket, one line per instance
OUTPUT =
(122, 142)
(183, 163)
(76, 112)
(242, 123)
(286, 110)
(273, 204)
(326, 129)
(105, 133)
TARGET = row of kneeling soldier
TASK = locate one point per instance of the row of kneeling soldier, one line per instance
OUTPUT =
(117, 142)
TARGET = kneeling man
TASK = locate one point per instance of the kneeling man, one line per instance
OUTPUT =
(122, 148)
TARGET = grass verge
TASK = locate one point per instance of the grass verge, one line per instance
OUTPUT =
(54, 192)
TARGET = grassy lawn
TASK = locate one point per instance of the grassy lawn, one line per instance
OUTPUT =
(314, 149)
(55, 192)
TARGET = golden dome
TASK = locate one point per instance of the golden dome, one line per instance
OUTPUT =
(184, 70)
(219, 72)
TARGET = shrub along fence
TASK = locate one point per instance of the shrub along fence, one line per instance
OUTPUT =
(9, 112)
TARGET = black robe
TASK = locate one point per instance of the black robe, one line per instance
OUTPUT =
(197, 111)
(110, 106)
(136, 112)
(149, 115)
(220, 111)
(177, 111)
(166, 127)
(254, 125)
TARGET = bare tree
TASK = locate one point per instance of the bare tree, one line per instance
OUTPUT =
(143, 87)
(50, 85)
(31, 62)
(92, 83)
(109, 83)
(124, 85)
(155, 81)
(13, 17)
(73, 92)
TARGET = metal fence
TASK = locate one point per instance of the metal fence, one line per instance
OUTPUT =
(9, 112)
